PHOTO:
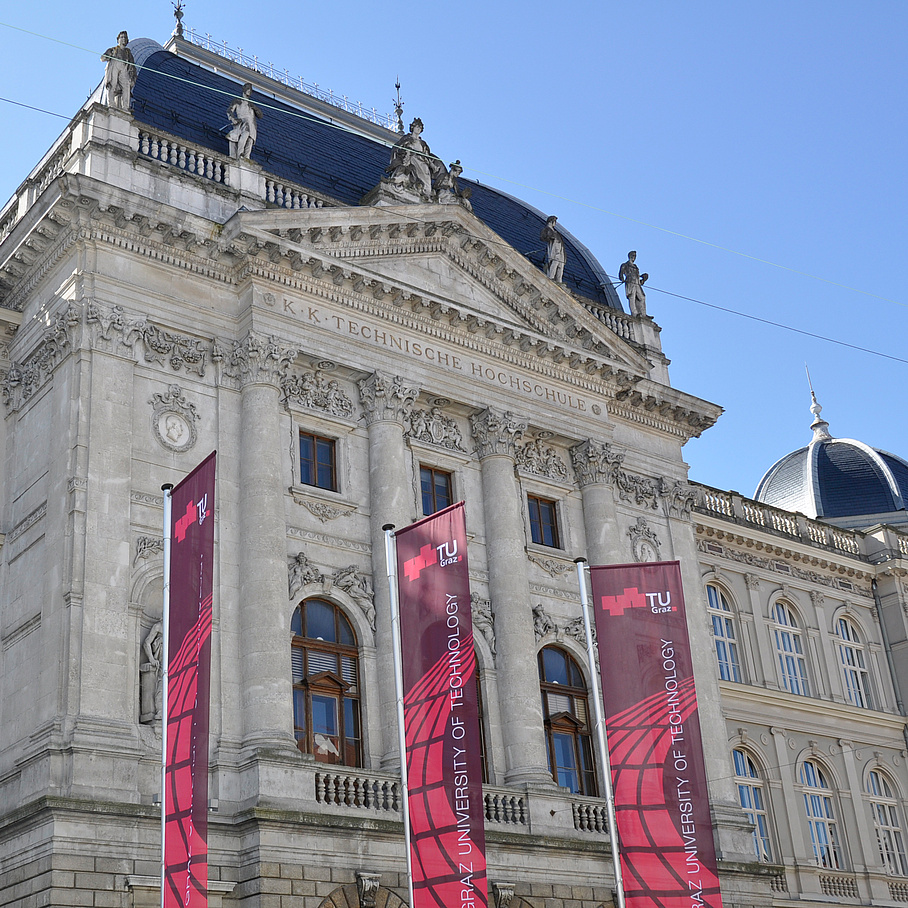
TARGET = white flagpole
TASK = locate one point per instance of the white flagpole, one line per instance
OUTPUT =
(391, 559)
(167, 488)
(600, 733)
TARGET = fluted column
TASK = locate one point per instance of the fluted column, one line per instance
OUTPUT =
(386, 402)
(257, 365)
(496, 437)
(596, 465)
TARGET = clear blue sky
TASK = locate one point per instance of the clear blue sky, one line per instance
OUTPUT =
(778, 130)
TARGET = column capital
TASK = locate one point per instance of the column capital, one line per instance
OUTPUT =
(258, 360)
(596, 462)
(386, 397)
(496, 432)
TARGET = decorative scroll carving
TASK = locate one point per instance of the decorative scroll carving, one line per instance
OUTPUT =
(496, 433)
(680, 497)
(23, 379)
(110, 325)
(596, 462)
(358, 587)
(551, 567)
(367, 888)
(302, 571)
(818, 599)
(324, 512)
(483, 619)
(257, 359)
(752, 581)
(504, 894)
(434, 427)
(386, 398)
(147, 546)
(173, 421)
(313, 390)
(151, 675)
(639, 489)
(164, 346)
(541, 459)
(644, 542)
(543, 624)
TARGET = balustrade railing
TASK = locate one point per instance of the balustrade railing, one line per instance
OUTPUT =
(898, 892)
(286, 196)
(717, 502)
(589, 817)
(618, 322)
(839, 886)
(347, 789)
(171, 151)
(503, 807)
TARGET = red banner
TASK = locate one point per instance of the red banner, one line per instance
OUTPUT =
(186, 776)
(441, 718)
(668, 856)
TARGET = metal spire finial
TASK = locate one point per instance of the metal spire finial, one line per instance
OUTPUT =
(819, 425)
(399, 108)
(178, 10)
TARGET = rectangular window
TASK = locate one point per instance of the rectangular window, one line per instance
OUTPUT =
(436, 489)
(317, 462)
(543, 521)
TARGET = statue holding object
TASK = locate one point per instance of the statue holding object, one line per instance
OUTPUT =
(120, 73)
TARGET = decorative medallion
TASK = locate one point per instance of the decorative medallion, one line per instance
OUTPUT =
(644, 542)
(174, 420)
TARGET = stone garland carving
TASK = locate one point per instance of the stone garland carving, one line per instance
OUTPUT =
(595, 462)
(349, 579)
(161, 346)
(644, 542)
(24, 378)
(638, 489)
(173, 420)
(314, 390)
(551, 567)
(385, 397)
(433, 427)
(773, 564)
(496, 433)
(151, 675)
(483, 619)
(540, 459)
(680, 497)
(258, 359)
(148, 546)
(324, 512)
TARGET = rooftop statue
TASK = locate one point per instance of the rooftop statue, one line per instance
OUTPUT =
(555, 256)
(633, 285)
(242, 113)
(447, 189)
(413, 166)
(120, 74)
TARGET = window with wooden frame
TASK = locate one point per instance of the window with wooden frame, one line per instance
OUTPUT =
(318, 461)
(544, 521)
(325, 666)
(437, 489)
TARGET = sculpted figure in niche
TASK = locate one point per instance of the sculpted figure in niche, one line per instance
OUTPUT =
(120, 74)
(242, 113)
(555, 256)
(412, 163)
(633, 285)
(151, 675)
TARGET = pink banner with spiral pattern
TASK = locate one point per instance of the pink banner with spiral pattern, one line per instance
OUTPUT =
(668, 856)
(441, 718)
(186, 774)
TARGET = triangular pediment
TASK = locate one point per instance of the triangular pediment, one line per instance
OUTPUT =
(441, 254)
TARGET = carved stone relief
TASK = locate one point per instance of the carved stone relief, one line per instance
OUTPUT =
(367, 885)
(386, 397)
(644, 542)
(302, 572)
(147, 547)
(540, 459)
(434, 427)
(258, 359)
(151, 675)
(358, 586)
(314, 390)
(543, 624)
(551, 567)
(162, 347)
(496, 432)
(595, 462)
(483, 619)
(173, 420)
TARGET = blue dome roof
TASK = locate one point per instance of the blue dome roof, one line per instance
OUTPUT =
(838, 479)
(176, 95)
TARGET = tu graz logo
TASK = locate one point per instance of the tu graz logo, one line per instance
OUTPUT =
(195, 511)
(633, 598)
(443, 555)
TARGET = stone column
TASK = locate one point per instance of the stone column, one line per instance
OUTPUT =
(596, 466)
(258, 364)
(386, 402)
(496, 437)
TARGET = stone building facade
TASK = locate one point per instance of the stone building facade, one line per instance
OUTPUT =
(360, 350)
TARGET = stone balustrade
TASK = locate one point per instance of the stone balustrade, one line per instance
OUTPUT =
(590, 816)
(615, 320)
(169, 150)
(285, 195)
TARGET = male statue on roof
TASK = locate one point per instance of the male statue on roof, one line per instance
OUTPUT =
(633, 285)
(555, 256)
(412, 163)
(242, 114)
(120, 74)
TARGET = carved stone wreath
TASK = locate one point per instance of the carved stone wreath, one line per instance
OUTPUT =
(644, 542)
(173, 420)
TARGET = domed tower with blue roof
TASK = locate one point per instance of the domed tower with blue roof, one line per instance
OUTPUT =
(840, 480)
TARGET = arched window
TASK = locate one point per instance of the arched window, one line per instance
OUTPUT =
(724, 634)
(480, 711)
(854, 664)
(753, 803)
(326, 718)
(889, 838)
(790, 649)
(567, 721)
(820, 814)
